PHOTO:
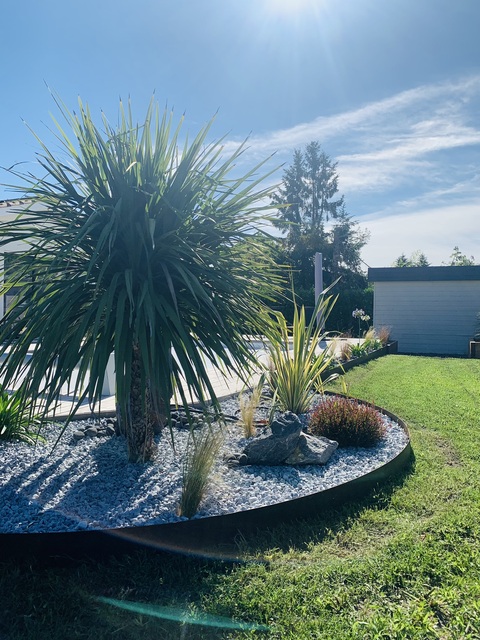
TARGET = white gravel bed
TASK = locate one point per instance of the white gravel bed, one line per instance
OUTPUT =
(90, 485)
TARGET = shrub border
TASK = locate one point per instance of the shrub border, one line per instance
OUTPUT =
(391, 347)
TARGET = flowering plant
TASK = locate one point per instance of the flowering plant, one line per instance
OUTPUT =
(360, 315)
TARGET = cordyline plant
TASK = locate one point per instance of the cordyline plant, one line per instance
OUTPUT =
(136, 247)
(297, 364)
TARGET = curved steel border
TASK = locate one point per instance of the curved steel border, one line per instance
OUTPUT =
(205, 535)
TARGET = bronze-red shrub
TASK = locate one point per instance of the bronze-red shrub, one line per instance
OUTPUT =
(348, 422)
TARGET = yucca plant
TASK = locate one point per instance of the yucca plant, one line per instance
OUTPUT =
(297, 364)
(139, 248)
(200, 457)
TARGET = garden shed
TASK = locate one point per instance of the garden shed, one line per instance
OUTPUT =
(430, 310)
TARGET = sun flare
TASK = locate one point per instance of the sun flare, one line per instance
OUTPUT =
(289, 6)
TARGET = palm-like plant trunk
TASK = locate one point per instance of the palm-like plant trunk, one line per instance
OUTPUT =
(139, 421)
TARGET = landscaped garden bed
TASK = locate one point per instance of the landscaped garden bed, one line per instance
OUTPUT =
(88, 486)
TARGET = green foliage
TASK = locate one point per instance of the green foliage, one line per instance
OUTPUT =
(348, 422)
(358, 350)
(370, 343)
(459, 259)
(201, 454)
(341, 317)
(306, 200)
(308, 188)
(296, 360)
(417, 259)
(17, 420)
(140, 248)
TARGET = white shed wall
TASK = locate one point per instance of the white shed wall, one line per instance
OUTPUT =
(428, 317)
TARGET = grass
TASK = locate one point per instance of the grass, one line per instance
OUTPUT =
(202, 452)
(402, 563)
(248, 405)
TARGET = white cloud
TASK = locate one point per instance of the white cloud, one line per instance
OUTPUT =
(434, 231)
(412, 158)
(386, 144)
(395, 110)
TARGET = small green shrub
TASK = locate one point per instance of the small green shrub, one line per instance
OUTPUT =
(348, 422)
(370, 343)
(16, 421)
(358, 350)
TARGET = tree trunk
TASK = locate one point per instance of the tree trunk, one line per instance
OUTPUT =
(139, 422)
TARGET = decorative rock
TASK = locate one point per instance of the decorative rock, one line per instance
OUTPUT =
(311, 450)
(286, 445)
(236, 460)
(91, 431)
(286, 425)
(110, 430)
(275, 449)
(79, 435)
(270, 450)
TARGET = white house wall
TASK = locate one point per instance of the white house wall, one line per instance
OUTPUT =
(428, 317)
(9, 210)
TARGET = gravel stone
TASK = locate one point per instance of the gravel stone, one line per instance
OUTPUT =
(88, 484)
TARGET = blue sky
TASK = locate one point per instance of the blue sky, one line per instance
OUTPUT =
(391, 90)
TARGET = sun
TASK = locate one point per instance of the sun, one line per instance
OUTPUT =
(288, 6)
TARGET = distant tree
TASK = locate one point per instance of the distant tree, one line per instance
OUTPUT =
(417, 259)
(306, 197)
(313, 218)
(459, 259)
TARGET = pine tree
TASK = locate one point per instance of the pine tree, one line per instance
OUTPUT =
(313, 218)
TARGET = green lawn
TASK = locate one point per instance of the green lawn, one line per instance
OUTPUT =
(403, 563)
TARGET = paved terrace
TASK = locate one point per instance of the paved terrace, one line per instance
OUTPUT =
(223, 386)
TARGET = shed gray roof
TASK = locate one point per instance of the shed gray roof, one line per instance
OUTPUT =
(418, 274)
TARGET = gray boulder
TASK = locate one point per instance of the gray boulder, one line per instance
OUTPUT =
(311, 450)
(275, 448)
(287, 425)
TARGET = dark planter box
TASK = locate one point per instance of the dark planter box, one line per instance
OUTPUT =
(474, 349)
(391, 347)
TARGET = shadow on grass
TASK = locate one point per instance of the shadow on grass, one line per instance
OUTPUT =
(151, 594)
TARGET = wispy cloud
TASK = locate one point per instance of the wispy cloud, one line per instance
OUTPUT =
(386, 144)
(411, 160)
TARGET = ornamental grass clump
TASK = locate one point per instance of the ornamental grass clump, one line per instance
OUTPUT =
(202, 451)
(384, 335)
(348, 422)
(248, 404)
